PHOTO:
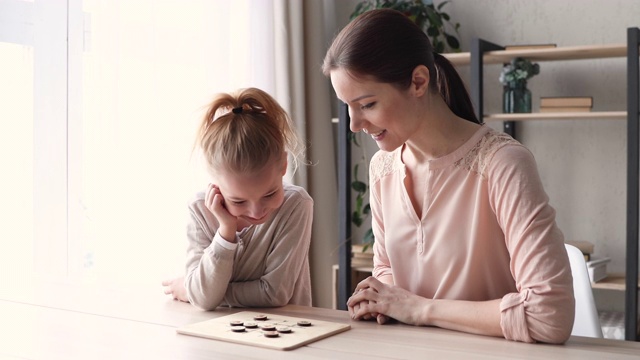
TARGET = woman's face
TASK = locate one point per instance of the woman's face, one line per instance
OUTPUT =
(253, 198)
(378, 109)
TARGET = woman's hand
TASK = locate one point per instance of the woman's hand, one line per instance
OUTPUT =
(373, 298)
(175, 288)
(214, 201)
(381, 319)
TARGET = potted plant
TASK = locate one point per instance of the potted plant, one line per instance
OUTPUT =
(444, 37)
(430, 18)
(514, 76)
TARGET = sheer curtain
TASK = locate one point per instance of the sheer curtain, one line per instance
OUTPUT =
(149, 69)
(100, 122)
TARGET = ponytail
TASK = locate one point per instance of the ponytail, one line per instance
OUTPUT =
(453, 89)
(243, 131)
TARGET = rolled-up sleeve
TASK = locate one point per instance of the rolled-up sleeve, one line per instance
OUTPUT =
(543, 308)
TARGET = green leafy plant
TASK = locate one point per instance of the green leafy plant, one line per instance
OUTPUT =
(444, 37)
(519, 69)
(430, 18)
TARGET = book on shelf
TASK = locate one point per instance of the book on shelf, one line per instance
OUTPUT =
(597, 268)
(566, 101)
(551, 109)
(530, 46)
(359, 249)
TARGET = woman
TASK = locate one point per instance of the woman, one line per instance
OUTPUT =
(464, 236)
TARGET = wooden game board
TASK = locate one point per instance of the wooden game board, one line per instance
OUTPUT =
(220, 329)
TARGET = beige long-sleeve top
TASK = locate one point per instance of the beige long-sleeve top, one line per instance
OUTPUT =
(268, 266)
(487, 232)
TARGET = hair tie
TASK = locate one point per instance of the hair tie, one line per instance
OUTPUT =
(237, 110)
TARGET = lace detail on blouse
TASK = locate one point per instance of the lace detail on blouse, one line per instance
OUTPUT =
(382, 163)
(479, 157)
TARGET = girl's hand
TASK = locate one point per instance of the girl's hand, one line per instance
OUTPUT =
(373, 298)
(175, 288)
(214, 201)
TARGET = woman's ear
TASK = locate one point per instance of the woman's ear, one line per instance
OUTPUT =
(420, 80)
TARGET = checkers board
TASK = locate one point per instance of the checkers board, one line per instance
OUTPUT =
(300, 332)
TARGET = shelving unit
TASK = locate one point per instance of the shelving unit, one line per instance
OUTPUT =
(484, 52)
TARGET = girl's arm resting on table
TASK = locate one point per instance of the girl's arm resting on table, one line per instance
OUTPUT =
(284, 264)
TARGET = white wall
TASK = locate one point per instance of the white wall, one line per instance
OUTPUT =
(582, 162)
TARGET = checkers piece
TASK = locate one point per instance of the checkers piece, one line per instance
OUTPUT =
(304, 323)
(237, 328)
(250, 325)
(267, 327)
(283, 329)
(270, 334)
(260, 317)
(235, 323)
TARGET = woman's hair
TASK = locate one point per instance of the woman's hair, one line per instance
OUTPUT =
(244, 131)
(387, 46)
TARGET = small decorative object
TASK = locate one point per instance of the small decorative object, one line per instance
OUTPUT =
(514, 76)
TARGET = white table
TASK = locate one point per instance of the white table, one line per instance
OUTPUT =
(65, 322)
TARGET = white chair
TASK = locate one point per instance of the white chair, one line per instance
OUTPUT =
(586, 322)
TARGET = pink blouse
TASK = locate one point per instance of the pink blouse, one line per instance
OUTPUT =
(487, 232)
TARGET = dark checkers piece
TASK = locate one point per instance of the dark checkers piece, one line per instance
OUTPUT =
(261, 317)
(235, 323)
(267, 327)
(270, 334)
(304, 323)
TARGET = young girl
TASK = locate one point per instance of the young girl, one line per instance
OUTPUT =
(249, 233)
(465, 238)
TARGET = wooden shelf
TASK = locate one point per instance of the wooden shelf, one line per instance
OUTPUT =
(611, 282)
(605, 115)
(549, 54)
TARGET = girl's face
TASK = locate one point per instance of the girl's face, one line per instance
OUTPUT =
(253, 198)
(378, 109)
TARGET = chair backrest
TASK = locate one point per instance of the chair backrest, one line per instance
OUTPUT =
(586, 322)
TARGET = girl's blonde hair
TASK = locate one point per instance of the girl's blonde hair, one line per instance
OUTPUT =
(244, 131)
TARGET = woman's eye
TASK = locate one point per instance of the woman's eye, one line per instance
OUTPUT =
(367, 106)
(237, 202)
(270, 195)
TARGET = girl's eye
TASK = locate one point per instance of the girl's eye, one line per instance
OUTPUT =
(270, 195)
(237, 202)
(367, 106)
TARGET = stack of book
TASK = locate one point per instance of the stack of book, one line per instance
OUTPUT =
(361, 255)
(596, 266)
(566, 104)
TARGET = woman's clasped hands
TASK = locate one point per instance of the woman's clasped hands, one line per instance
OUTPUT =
(373, 299)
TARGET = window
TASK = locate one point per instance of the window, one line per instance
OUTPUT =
(110, 151)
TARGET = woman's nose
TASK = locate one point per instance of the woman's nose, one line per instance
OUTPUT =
(356, 122)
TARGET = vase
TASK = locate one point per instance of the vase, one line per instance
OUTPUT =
(516, 98)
